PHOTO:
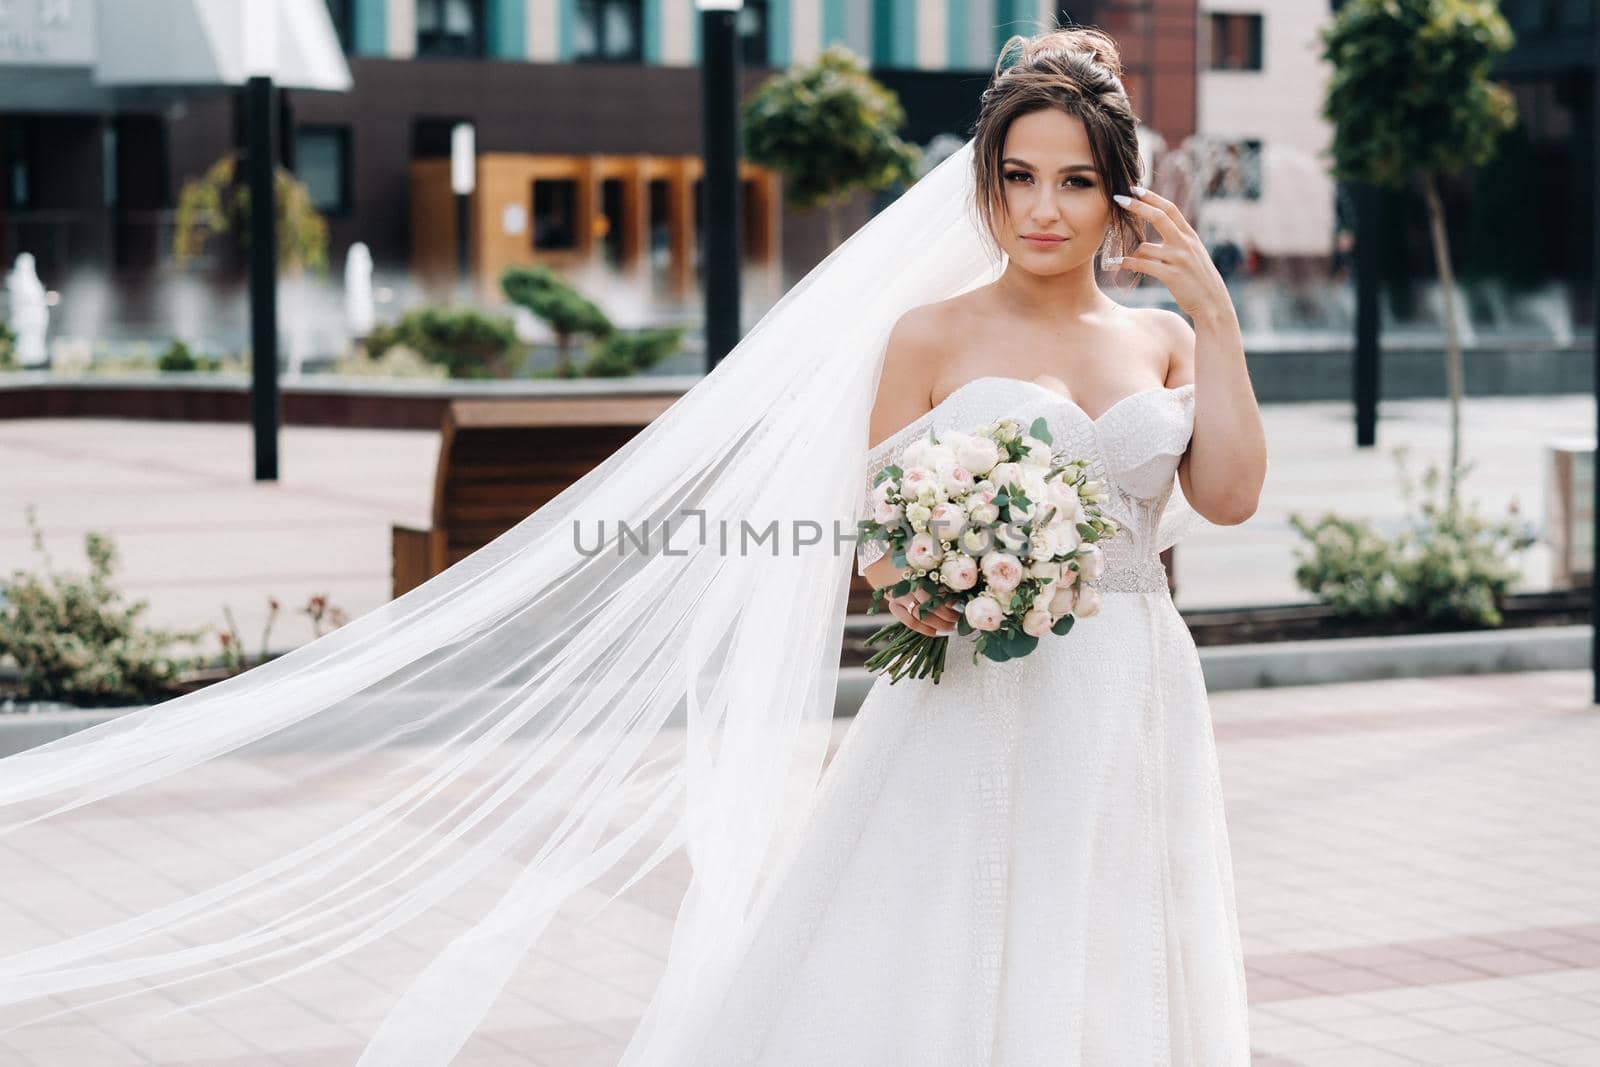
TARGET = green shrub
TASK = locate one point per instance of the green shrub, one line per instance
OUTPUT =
(77, 638)
(467, 343)
(178, 357)
(1450, 567)
(8, 348)
(553, 299)
(622, 354)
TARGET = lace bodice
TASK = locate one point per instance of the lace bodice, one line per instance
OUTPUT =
(1134, 446)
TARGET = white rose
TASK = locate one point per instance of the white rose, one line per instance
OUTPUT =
(1063, 600)
(976, 541)
(1005, 473)
(1042, 599)
(1006, 431)
(1088, 602)
(937, 456)
(1036, 453)
(983, 613)
(917, 515)
(884, 512)
(959, 571)
(915, 479)
(931, 494)
(914, 454)
(1042, 543)
(1067, 537)
(947, 521)
(1064, 498)
(1009, 536)
(1049, 570)
(1002, 571)
(1093, 491)
(924, 552)
(1036, 623)
(977, 454)
(956, 479)
(984, 513)
(1091, 561)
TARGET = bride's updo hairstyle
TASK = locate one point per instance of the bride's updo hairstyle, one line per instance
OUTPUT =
(1075, 70)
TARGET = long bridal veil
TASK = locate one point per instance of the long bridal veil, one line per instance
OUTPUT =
(362, 847)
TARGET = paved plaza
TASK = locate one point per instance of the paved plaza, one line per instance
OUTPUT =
(196, 533)
(1417, 876)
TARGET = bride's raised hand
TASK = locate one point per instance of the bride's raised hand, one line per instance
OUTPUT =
(1179, 260)
(941, 620)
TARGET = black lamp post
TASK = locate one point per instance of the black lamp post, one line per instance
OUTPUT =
(260, 155)
(719, 101)
(463, 180)
(1594, 281)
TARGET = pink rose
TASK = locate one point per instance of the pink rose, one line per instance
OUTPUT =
(983, 613)
(1002, 571)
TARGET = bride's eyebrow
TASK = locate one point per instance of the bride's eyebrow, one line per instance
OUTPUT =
(1064, 170)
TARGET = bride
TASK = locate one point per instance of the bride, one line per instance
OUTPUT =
(385, 847)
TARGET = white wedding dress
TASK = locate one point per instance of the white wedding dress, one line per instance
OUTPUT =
(1028, 863)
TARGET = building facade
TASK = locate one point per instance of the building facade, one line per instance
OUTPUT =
(1258, 179)
(90, 178)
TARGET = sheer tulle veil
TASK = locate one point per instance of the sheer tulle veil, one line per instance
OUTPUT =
(368, 840)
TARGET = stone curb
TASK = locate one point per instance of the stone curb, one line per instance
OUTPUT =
(1257, 666)
(1355, 659)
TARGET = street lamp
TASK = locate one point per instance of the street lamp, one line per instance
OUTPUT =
(719, 102)
(261, 155)
(463, 180)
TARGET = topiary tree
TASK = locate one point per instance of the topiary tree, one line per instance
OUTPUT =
(830, 130)
(624, 353)
(466, 342)
(1410, 100)
(217, 205)
(553, 299)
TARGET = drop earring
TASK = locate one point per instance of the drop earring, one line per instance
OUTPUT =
(1111, 247)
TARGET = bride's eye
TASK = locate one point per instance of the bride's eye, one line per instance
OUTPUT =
(1017, 174)
(1085, 182)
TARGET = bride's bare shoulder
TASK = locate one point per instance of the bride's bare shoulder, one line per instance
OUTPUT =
(918, 343)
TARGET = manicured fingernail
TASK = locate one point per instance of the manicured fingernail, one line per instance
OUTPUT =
(1123, 200)
(1138, 190)
(1112, 261)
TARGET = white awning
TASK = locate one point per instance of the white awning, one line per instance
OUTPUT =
(218, 42)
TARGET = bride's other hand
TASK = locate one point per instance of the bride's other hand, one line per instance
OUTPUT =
(938, 622)
(1179, 260)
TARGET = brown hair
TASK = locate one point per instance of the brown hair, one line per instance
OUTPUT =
(1075, 70)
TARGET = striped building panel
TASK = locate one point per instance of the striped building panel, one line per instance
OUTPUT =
(542, 20)
(805, 30)
(505, 29)
(401, 23)
(370, 30)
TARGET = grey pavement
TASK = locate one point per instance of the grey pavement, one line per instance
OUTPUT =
(195, 532)
(1416, 872)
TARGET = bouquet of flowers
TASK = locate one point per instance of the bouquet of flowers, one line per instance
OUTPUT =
(996, 525)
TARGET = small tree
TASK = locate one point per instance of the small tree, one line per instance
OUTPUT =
(552, 298)
(829, 129)
(217, 205)
(1410, 99)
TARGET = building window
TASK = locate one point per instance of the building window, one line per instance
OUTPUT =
(450, 28)
(19, 187)
(322, 163)
(754, 40)
(555, 215)
(339, 11)
(1235, 42)
(1234, 171)
(609, 31)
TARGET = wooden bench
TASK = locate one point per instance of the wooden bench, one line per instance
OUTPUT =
(500, 460)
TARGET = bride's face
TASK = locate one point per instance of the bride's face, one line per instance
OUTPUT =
(1051, 190)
